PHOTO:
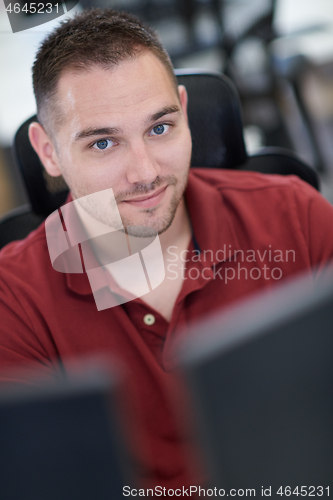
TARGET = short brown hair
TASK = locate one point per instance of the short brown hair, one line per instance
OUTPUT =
(93, 37)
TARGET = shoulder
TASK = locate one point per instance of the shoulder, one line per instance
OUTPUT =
(25, 260)
(248, 181)
(273, 208)
(261, 191)
(34, 242)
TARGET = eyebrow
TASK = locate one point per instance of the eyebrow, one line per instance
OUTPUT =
(91, 132)
(167, 110)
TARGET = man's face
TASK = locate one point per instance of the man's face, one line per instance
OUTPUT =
(124, 128)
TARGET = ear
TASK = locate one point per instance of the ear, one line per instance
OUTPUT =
(183, 99)
(45, 149)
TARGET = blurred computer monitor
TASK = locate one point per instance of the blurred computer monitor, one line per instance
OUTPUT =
(261, 375)
(61, 441)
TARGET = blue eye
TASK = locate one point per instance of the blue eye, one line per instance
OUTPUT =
(103, 144)
(160, 129)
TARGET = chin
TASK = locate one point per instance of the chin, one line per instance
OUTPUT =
(146, 229)
(149, 226)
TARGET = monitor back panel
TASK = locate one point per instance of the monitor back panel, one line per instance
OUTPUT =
(61, 445)
(265, 402)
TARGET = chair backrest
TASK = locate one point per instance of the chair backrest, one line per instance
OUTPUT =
(215, 119)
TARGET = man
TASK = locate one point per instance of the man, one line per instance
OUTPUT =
(112, 117)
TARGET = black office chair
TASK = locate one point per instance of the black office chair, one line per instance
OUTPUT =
(217, 133)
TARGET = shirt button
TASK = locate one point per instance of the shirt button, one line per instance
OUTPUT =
(149, 319)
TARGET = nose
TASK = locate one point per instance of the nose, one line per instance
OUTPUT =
(142, 166)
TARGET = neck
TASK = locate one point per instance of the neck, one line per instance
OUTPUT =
(180, 232)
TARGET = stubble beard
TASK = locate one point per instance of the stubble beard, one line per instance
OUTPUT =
(152, 224)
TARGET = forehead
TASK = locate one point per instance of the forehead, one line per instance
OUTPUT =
(138, 87)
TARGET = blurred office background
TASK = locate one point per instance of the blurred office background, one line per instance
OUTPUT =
(279, 54)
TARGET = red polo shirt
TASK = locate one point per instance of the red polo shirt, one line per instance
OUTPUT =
(250, 231)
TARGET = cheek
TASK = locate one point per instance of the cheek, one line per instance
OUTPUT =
(185, 142)
(177, 154)
(98, 177)
(182, 154)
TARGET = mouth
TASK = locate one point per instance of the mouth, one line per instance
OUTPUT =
(148, 200)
